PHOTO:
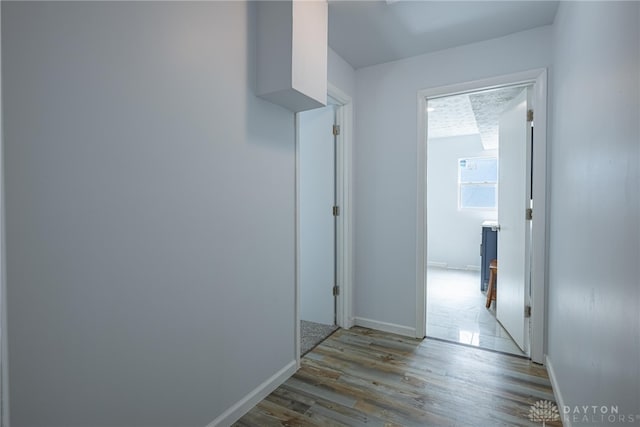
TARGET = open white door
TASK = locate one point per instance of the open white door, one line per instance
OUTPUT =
(317, 223)
(514, 198)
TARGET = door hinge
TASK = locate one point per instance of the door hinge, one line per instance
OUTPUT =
(336, 130)
(527, 311)
(336, 290)
(529, 115)
(336, 210)
(528, 214)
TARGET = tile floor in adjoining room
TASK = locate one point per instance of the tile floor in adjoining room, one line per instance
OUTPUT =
(456, 311)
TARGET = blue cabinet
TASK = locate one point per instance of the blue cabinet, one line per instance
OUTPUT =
(488, 252)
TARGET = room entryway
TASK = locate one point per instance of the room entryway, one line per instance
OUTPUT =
(478, 191)
(324, 252)
(318, 275)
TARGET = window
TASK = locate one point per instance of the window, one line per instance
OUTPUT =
(477, 183)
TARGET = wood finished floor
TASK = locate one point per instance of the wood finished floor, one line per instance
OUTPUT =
(360, 377)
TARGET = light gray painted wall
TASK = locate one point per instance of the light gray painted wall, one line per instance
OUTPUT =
(594, 254)
(150, 213)
(386, 165)
(453, 235)
(340, 73)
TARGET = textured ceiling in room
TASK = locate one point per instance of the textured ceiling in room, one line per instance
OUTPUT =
(451, 116)
(470, 114)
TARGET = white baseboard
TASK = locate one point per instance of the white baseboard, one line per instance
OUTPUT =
(350, 323)
(437, 264)
(468, 267)
(235, 412)
(556, 391)
(385, 327)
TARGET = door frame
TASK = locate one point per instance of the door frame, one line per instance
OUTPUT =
(537, 77)
(344, 223)
(4, 359)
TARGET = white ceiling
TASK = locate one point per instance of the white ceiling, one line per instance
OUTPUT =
(470, 114)
(369, 32)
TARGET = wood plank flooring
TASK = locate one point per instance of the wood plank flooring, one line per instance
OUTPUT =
(360, 377)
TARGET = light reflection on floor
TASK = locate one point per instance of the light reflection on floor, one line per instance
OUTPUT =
(456, 311)
(468, 337)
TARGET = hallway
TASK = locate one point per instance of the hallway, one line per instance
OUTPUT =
(360, 377)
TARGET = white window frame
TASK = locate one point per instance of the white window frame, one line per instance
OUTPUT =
(484, 183)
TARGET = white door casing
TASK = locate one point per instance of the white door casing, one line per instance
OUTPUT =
(514, 198)
(344, 262)
(537, 77)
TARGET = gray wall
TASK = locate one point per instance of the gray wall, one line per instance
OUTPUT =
(594, 296)
(150, 214)
(385, 169)
(340, 73)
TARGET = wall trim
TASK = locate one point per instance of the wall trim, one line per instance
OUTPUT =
(385, 327)
(438, 264)
(560, 402)
(344, 196)
(237, 410)
(4, 349)
(296, 287)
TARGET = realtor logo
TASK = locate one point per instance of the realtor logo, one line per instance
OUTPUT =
(543, 411)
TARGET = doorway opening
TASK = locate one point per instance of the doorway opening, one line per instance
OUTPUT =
(464, 158)
(317, 134)
(520, 303)
(323, 242)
